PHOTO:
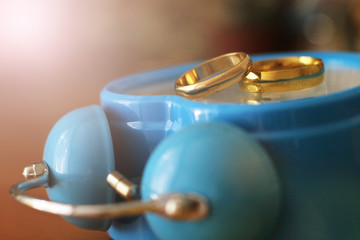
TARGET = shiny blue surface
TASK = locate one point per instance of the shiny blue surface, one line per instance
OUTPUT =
(227, 167)
(79, 153)
(314, 144)
(133, 230)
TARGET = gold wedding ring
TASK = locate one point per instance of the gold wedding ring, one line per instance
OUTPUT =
(271, 75)
(213, 75)
(284, 74)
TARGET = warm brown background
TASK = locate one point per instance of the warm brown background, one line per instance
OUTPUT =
(57, 55)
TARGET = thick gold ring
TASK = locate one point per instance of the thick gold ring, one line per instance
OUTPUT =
(213, 75)
(284, 74)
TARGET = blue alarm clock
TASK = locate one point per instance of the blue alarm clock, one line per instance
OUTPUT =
(232, 165)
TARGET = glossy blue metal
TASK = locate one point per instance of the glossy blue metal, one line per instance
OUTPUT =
(79, 153)
(314, 144)
(226, 166)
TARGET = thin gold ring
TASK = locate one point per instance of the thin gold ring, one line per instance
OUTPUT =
(284, 74)
(213, 75)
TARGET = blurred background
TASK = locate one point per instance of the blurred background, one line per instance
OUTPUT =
(56, 55)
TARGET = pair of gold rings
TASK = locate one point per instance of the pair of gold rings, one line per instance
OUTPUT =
(264, 76)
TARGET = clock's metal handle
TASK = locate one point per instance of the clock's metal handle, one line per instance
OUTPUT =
(174, 206)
